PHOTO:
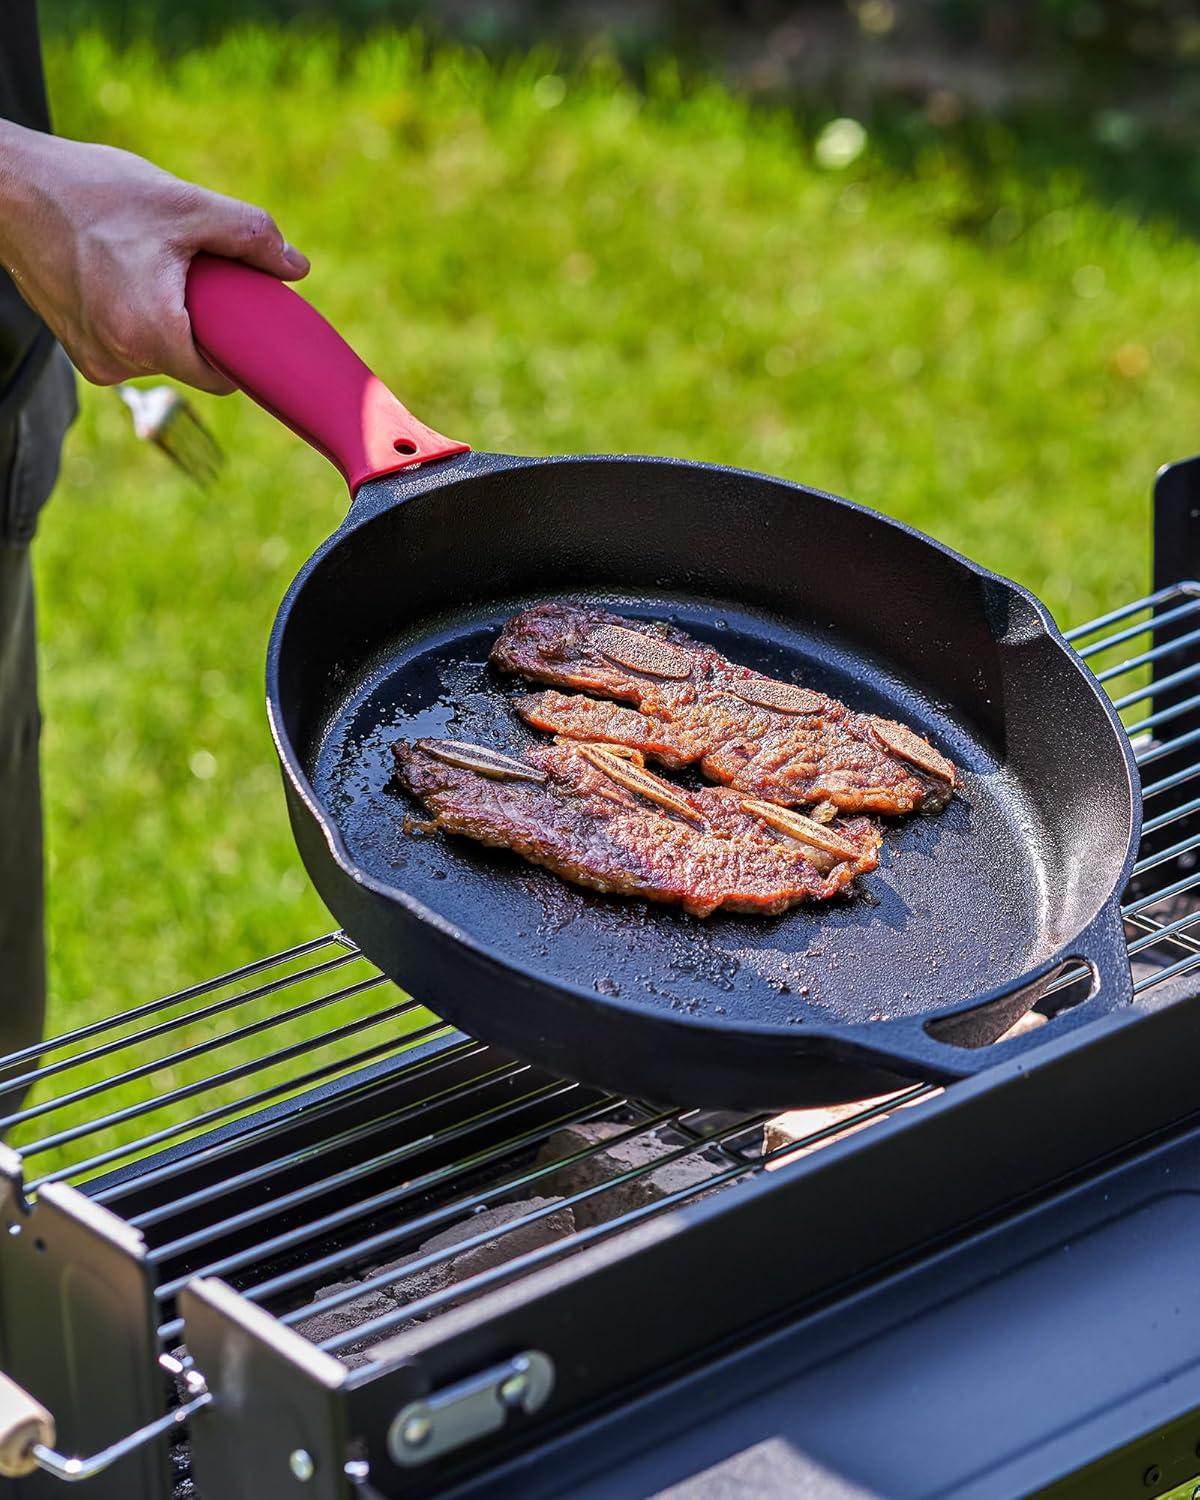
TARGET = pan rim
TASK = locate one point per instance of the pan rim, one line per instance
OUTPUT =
(464, 468)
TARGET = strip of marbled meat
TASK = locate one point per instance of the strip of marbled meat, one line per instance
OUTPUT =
(681, 702)
(600, 820)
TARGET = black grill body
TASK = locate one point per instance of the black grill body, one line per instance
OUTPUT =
(987, 1292)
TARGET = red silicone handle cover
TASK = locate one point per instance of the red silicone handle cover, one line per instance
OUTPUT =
(280, 350)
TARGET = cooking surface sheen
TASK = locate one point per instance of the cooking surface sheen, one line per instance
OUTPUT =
(948, 913)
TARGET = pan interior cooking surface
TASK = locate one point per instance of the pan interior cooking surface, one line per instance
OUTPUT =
(948, 913)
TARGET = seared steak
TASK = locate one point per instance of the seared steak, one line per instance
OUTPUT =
(772, 739)
(596, 817)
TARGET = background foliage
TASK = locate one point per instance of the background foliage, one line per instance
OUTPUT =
(1123, 35)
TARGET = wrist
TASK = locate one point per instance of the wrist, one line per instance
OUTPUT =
(20, 151)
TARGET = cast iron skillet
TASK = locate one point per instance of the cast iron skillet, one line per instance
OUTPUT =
(386, 631)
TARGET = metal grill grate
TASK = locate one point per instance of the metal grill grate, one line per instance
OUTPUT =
(313, 1133)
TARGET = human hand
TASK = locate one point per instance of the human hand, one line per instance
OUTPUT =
(99, 242)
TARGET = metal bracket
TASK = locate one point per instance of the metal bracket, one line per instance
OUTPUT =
(78, 1331)
(451, 1418)
(277, 1423)
(1176, 565)
(1177, 523)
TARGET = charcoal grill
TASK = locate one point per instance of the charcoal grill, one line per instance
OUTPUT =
(385, 1259)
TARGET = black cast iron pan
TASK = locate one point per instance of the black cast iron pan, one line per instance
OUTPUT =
(386, 631)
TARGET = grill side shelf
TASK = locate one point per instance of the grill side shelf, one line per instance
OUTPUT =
(661, 1296)
(78, 1330)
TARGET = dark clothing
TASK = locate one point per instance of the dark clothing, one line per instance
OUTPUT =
(37, 404)
(37, 399)
(22, 86)
(22, 100)
(22, 950)
(30, 439)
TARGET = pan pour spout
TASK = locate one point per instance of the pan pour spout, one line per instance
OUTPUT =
(681, 703)
(599, 820)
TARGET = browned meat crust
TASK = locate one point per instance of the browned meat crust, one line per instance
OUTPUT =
(603, 822)
(772, 739)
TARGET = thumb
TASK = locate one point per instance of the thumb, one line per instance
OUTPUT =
(243, 232)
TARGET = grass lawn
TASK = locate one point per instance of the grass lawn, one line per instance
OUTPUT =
(544, 264)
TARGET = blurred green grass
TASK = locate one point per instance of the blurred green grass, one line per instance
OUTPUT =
(554, 261)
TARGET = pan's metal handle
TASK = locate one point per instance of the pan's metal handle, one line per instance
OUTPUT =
(1101, 947)
(284, 354)
(27, 1437)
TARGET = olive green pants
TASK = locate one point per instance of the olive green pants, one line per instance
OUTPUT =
(30, 442)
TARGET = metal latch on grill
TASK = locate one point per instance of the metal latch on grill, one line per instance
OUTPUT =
(469, 1409)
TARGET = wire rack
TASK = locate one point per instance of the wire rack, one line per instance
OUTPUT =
(181, 1114)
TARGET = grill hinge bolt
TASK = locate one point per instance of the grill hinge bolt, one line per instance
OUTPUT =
(416, 1430)
(512, 1391)
(300, 1461)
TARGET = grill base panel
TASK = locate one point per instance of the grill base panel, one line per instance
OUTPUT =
(761, 1325)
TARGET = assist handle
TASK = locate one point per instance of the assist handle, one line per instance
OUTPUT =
(1101, 946)
(280, 350)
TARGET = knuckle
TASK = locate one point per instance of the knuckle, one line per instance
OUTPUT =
(175, 328)
(257, 226)
(186, 194)
(126, 342)
(121, 343)
(95, 366)
(184, 200)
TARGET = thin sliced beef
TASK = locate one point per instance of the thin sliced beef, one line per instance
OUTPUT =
(599, 819)
(681, 702)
